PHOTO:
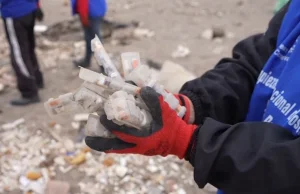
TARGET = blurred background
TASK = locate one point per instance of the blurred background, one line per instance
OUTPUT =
(39, 155)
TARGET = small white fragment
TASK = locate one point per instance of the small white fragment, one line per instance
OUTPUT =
(181, 191)
(121, 171)
(143, 32)
(181, 52)
(81, 117)
(14, 124)
(59, 161)
(152, 168)
(208, 34)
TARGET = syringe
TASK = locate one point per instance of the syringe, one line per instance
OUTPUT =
(142, 76)
(108, 82)
(103, 59)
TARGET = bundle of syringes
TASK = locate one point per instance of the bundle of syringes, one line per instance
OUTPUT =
(112, 95)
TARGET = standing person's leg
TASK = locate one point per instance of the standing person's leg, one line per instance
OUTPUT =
(35, 64)
(85, 61)
(95, 28)
(17, 35)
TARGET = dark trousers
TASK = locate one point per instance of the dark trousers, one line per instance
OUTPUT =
(89, 34)
(20, 35)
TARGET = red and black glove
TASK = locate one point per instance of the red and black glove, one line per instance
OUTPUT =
(189, 116)
(168, 135)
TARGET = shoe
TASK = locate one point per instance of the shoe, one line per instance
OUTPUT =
(81, 63)
(25, 101)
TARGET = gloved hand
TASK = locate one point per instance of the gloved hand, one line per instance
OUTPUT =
(168, 135)
(189, 116)
(39, 14)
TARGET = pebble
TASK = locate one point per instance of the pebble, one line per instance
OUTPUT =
(121, 171)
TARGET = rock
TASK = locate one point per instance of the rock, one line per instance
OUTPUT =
(181, 51)
(208, 34)
(121, 171)
(170, 71)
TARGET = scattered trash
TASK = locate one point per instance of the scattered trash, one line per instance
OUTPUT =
(143, 32)
(33, 175)
(181, 52)
(78, 159)
(12, 125)
(81, 117)
(40, 28)
(212, 33)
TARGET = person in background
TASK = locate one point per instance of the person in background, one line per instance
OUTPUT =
(19, 19)
(91, 13)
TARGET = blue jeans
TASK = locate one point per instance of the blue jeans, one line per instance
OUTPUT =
(220, 192)
(89, 33)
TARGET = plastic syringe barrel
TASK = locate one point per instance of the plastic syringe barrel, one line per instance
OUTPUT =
(108, 82)
(141, 75)
(103, 59)
(170, 99)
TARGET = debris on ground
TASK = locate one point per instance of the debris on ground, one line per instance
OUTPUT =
(213, 33)
(57, 187)
(181, 51)
(143, 32)
(33, 161)
(6, 78)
